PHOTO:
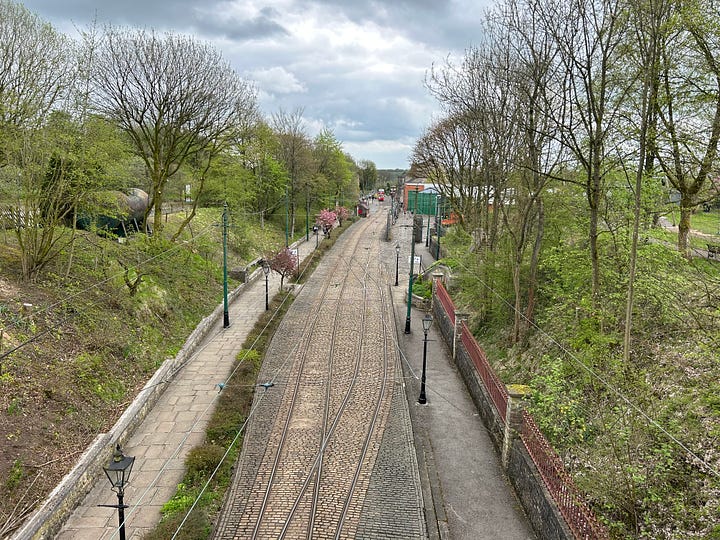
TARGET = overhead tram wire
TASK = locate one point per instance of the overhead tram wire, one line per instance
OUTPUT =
(272, 381)
(182, 442)
(251, 413)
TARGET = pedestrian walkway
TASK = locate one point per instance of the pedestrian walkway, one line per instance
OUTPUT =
(467, 495)
(174, 426)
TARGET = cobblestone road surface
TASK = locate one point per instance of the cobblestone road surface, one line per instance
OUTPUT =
(328, 449)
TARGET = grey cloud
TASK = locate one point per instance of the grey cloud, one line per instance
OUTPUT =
(205, 18)
(263, 26)
(145, 13)
(312, 71)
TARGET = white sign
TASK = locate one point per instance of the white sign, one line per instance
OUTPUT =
(417, 260)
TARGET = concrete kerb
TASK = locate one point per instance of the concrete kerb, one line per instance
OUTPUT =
(49, 518)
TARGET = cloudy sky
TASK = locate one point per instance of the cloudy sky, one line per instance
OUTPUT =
(354, 66)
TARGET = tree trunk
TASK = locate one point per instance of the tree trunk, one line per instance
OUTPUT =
(594, 197)
(534, 263)
(684, 226)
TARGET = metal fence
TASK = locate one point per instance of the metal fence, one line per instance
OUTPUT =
(493, 385)
(571, 503)
(447, 303)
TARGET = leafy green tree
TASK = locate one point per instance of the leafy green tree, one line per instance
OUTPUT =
(58, 167)
(688, 107)
(368, 176)
(265, 186)
(333, 166)
(588, 36)
(175, 97)
(294, 152)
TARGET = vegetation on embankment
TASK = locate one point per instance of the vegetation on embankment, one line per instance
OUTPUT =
(80, 342)
(639, 437)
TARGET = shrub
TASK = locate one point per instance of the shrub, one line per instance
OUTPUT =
(201, 461)
(422, 288)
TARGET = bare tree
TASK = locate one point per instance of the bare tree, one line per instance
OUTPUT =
(35, 71)
(531, 71)
(295, 152)
(449, 154)
(174, 96)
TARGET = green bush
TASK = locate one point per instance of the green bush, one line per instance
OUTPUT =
(421, 288)
(201, 461)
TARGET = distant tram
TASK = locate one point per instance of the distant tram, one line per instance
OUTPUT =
(381, 195)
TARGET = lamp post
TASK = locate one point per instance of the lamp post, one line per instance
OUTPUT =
(118, 472)
(426, 323)
(287, 218)
(427, 236)
(397, 263)
(412, 264)
(438, 220)
(266, 270)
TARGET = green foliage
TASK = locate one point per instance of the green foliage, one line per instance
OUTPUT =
(15, 407)
(15, 476)
(94, 375)
(641, 483)
(180, 502)
(456, 240)
(422, 288)
(556, 403)
(202, 461)
(197, 526)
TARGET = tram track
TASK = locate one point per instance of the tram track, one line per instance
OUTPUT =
(318, 320)
(310, 479)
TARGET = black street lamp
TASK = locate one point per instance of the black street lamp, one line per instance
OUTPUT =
(397, 263)
(426, 323)
(266, 269)
(118, 472)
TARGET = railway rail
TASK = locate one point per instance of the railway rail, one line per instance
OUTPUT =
(313, 442)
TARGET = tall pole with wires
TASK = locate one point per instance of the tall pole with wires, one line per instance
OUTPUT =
(412, 263)
(287, 217)
(226, 312)
(438, 219)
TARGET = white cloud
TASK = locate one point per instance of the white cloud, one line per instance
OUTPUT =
(276, 80)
